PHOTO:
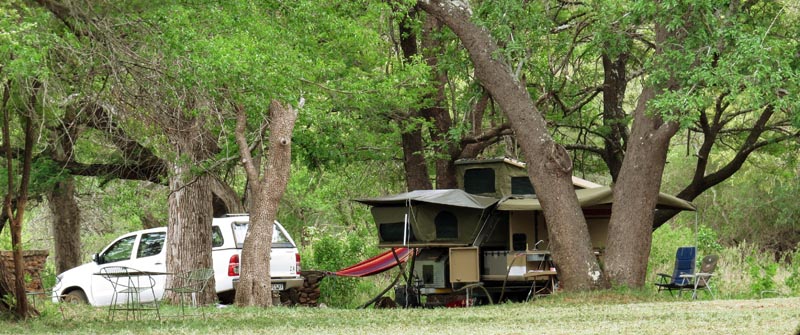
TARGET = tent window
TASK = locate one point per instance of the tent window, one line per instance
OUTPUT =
(521, 185)
(446, 225)
(478, 181)
(393, 232)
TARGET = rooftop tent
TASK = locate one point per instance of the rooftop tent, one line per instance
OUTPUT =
(435, 217)
(493, 177)
(593, 196)
(500, 177)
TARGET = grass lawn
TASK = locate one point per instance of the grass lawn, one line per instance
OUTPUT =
(571, 315)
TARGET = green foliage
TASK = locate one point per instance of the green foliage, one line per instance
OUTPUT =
(707, 240)
(24, 42)
(762, 275)
(332, 253)
(792, 281)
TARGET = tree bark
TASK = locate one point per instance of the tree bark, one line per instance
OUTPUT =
(16, 214)
(190, 215)
(414, 163)
(226, 201)
(635, 196)
(267, 189)
(66, 225)
(638, 184)
(549, 168)
(414, 160)
(447, 151)
(615, 83)
(5, 289)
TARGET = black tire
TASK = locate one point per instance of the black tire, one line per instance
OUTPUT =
(75, 297)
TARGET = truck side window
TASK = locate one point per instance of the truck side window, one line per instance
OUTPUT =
(216, 237)
(119, 251)
(150, 244)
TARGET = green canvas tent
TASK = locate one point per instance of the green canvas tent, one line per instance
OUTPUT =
(590, 197)
(429, 217)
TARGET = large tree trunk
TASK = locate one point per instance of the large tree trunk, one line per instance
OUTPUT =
(550, 167)
(190, 213)
(635, 196)
(638, 184)
(255, 284)
(189, 230)
(66, 225)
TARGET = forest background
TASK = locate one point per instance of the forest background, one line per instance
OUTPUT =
(128, 104)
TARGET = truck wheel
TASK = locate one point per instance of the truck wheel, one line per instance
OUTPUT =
(75, 297)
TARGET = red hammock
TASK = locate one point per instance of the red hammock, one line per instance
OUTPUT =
(375, 265)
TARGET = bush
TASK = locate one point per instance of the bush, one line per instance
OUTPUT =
(331, 253)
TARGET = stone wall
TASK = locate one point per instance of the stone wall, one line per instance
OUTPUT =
(306, 295)
(34, 264)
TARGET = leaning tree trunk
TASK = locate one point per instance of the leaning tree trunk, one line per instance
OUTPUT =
(267, 188)
(66, 225)
(550, 168)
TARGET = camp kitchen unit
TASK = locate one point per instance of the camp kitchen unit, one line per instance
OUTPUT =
(487, 238)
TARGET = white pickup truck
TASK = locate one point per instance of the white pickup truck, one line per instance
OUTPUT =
(144, 250)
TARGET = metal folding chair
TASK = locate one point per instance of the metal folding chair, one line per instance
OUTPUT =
(129, 284)
(702, 279)
(190, 284)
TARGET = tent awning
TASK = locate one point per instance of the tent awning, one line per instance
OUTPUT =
(453, 197)
(593, 196)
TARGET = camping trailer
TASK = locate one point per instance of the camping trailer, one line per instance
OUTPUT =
(488, 238)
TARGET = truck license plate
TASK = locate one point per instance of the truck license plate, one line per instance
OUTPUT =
(277, 287)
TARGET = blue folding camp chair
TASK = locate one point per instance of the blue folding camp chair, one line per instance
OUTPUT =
(684, 265)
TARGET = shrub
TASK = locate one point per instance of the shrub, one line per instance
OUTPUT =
(332, 253)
